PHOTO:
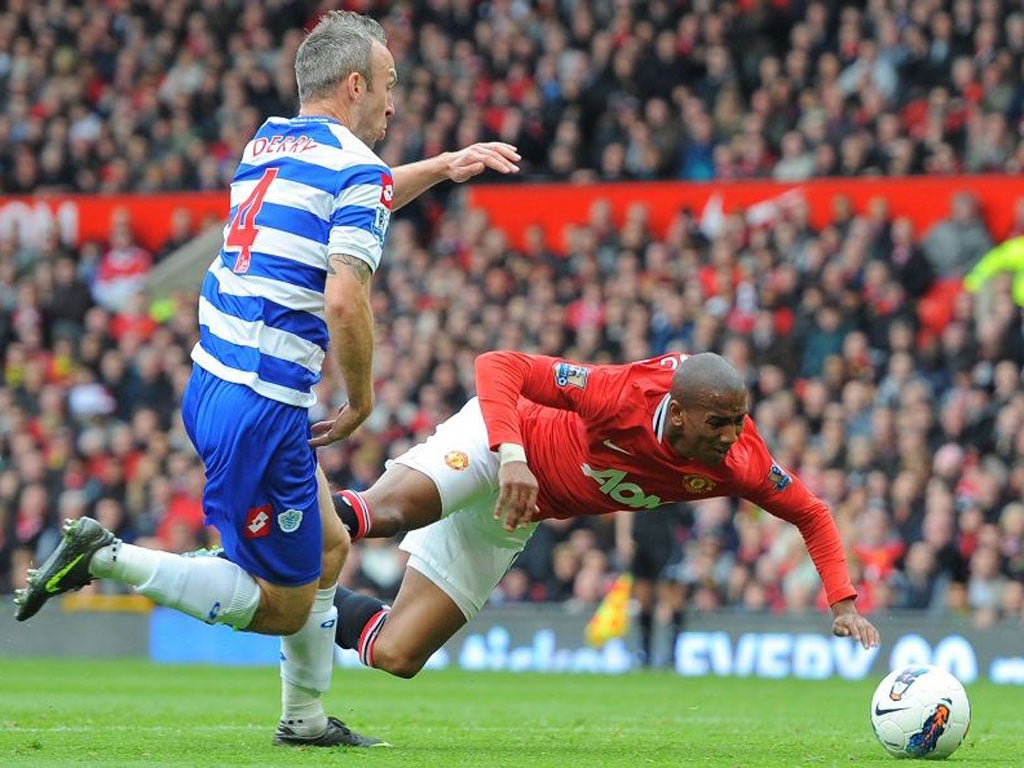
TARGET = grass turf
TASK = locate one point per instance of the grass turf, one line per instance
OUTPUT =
(58, 712)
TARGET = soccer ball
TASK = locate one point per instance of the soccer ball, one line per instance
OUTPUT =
(920, 711)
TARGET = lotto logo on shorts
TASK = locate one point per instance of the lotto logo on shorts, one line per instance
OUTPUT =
(257, 522)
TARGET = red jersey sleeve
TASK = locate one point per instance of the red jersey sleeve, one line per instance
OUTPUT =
(502, 377)
(774, 489)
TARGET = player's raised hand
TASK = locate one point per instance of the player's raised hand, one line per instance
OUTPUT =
(473, 160)
(846, 622)
(517, 495)
(327, 432)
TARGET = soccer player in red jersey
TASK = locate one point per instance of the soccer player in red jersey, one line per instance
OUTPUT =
(546, 438)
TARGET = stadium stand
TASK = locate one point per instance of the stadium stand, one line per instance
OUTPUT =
(896, 394)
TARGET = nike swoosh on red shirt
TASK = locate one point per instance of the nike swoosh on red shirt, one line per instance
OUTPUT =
(615, 447)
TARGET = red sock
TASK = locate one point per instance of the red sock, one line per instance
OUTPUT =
(368, 637)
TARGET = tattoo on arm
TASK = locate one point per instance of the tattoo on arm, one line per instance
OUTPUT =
(357, 266)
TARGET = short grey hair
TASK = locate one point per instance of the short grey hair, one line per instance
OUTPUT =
(341, 43)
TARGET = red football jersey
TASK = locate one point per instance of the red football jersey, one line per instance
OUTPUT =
(593, 438)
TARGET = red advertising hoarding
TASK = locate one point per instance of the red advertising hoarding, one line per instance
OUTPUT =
(924, 199)
(79, 218)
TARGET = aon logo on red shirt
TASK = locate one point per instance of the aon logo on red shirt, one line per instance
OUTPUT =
(629, 495)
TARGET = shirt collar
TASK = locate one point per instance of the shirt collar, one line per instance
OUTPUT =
(661, 417)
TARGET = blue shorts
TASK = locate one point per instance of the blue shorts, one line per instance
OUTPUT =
(261, 489)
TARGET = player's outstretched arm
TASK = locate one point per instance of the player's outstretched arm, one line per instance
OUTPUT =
(783, 494)
(413, 179)
(517, 488)
(846, 622)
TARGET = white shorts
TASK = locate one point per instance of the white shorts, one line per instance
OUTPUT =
(467, 551)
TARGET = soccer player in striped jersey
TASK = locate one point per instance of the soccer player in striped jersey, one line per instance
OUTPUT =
(310, 207)
(551, 438)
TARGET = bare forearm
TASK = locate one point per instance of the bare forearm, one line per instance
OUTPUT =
(349, 319)
(413, 179)
(351, 333)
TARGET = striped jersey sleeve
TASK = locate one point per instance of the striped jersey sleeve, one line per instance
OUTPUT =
(304, 189)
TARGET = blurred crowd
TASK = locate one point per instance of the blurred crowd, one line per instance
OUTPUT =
(895, 394)
(128, 95)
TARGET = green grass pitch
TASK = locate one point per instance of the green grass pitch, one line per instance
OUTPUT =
(132, 713)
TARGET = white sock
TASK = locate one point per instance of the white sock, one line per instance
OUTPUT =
(307, 661)
(210, 589)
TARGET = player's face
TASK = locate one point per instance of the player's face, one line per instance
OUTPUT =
(706, 429)
(377, 104)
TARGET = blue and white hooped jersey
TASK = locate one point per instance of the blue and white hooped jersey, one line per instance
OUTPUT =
(306, 187)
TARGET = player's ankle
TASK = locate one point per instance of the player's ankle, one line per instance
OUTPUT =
(303, 710)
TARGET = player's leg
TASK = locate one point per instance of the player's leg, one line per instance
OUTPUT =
(307, 657)
(643, 593)
(261, 493)
(403, 499)
(672, 595)
(210, 589)
(246, 590)
(652, 551)
(422, 619)
(453, 465)
(456, 560)
(407, 497)
(454, 566)
(655, 548)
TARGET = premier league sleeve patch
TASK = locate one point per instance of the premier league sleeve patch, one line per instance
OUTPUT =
(570, 375)
(379, 225)
(779, 478)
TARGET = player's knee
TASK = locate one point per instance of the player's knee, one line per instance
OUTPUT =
(276, 624)
(283, 623)
(397, 661)
(280, 617)
(333, 560)
(290, 625)
(403, 667)
(334, 555)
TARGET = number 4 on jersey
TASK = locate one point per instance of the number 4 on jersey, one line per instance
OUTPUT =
(243, 230)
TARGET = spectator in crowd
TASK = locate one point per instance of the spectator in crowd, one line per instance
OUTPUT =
(955, 244)
(122, 269)
(155, 98)
(1007, 257)
(919, 586)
